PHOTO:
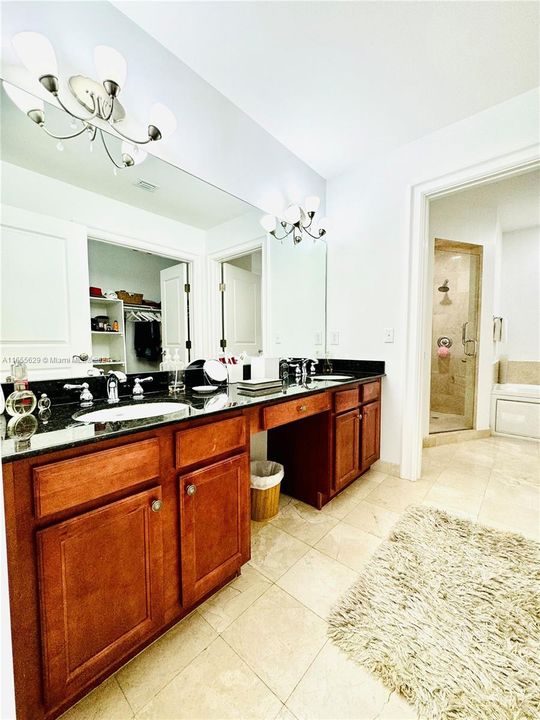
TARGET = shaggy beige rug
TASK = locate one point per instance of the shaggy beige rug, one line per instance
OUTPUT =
(447, 613)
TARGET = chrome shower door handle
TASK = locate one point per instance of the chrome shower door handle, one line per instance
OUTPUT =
(464, 333)
(473, 353)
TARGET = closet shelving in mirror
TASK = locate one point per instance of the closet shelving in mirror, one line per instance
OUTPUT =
(107, 344)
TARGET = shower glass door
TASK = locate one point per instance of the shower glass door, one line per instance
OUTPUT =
(456, 311)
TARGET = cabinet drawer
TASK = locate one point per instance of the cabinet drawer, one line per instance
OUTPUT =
(294, 410)
(208, 441)
(68, 483)
(371, 391)
(346, 400)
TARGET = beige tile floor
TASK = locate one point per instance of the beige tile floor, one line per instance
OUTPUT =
(258, 649)
(443, 422)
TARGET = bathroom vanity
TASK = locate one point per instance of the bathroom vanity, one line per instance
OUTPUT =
(114, 537)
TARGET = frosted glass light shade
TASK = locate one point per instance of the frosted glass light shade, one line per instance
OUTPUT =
(163, 118)
(110, 65)
(23, 100)
(292, 214)
(312, 203)
(36, 53)
(269, 223)
(134, 151)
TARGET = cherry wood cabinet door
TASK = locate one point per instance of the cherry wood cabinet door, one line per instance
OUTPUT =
(347, 448)
(214, 525)
(101, 587)
(371, 429)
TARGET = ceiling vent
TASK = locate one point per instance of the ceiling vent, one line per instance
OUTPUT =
(144, 185)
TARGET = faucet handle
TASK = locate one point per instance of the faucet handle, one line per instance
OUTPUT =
(86, 396)
(138, 391)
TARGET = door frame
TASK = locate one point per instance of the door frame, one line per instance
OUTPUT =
(195, 265)
(418, 320)
(214, 261)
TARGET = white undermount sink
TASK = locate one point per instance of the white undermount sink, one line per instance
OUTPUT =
(131, 412)
(333, 377)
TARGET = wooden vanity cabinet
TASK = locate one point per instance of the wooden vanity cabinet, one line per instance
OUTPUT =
(346, 448)
(370, 435)
(356, 427)
(100, 579)
(214, 525)
(109, 544)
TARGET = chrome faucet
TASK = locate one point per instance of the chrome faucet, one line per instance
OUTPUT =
(305, 363)
(138, 390)
(114, 378)
(86, 396)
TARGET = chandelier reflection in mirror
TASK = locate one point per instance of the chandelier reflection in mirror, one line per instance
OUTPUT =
(99, 99)
(297, 220)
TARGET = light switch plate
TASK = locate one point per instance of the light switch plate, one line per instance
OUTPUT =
(389, 335)
(277, 340)
(334, 337)
(318, 338)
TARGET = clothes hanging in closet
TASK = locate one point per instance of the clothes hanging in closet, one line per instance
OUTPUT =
(148, 340)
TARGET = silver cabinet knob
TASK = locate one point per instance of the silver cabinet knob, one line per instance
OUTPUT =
(156, 505)
(191, 489)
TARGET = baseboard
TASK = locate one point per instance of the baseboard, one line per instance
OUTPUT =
(454, 436)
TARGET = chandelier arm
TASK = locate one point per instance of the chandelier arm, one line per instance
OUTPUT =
(286, 234)
(63, 137)
(315, 237)
(131, 140)
(120, 167)
(77, 117)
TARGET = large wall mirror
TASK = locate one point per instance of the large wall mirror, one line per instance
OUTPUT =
(104, 267)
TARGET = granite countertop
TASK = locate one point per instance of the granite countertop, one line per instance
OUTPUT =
(62, 431)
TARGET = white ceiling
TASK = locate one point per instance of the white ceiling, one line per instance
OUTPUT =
(336, 81)
(516, 200)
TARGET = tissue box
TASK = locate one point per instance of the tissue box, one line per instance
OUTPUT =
(236, 373)
(264, 367)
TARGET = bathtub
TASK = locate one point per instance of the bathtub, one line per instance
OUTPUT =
(515, 410)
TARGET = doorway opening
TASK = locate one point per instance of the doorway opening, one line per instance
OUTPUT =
(457, 269)
(131, 331)
(241, 316)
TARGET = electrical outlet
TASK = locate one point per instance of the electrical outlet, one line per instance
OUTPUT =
(389, 335)
(334, 337)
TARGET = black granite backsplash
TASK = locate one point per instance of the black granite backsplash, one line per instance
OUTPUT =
(98, 386)
(371, 367)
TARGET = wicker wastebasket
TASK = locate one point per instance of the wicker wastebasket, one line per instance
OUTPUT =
(266, 477)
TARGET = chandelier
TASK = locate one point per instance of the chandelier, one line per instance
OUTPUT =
(99, 99)
(297, 220)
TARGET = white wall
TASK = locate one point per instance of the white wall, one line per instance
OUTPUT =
(520, 294)
(370, 209)
(42, 194)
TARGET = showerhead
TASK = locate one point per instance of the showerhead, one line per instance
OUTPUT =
(444, 287)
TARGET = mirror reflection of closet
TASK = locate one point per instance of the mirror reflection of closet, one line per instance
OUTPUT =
(144, 325)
